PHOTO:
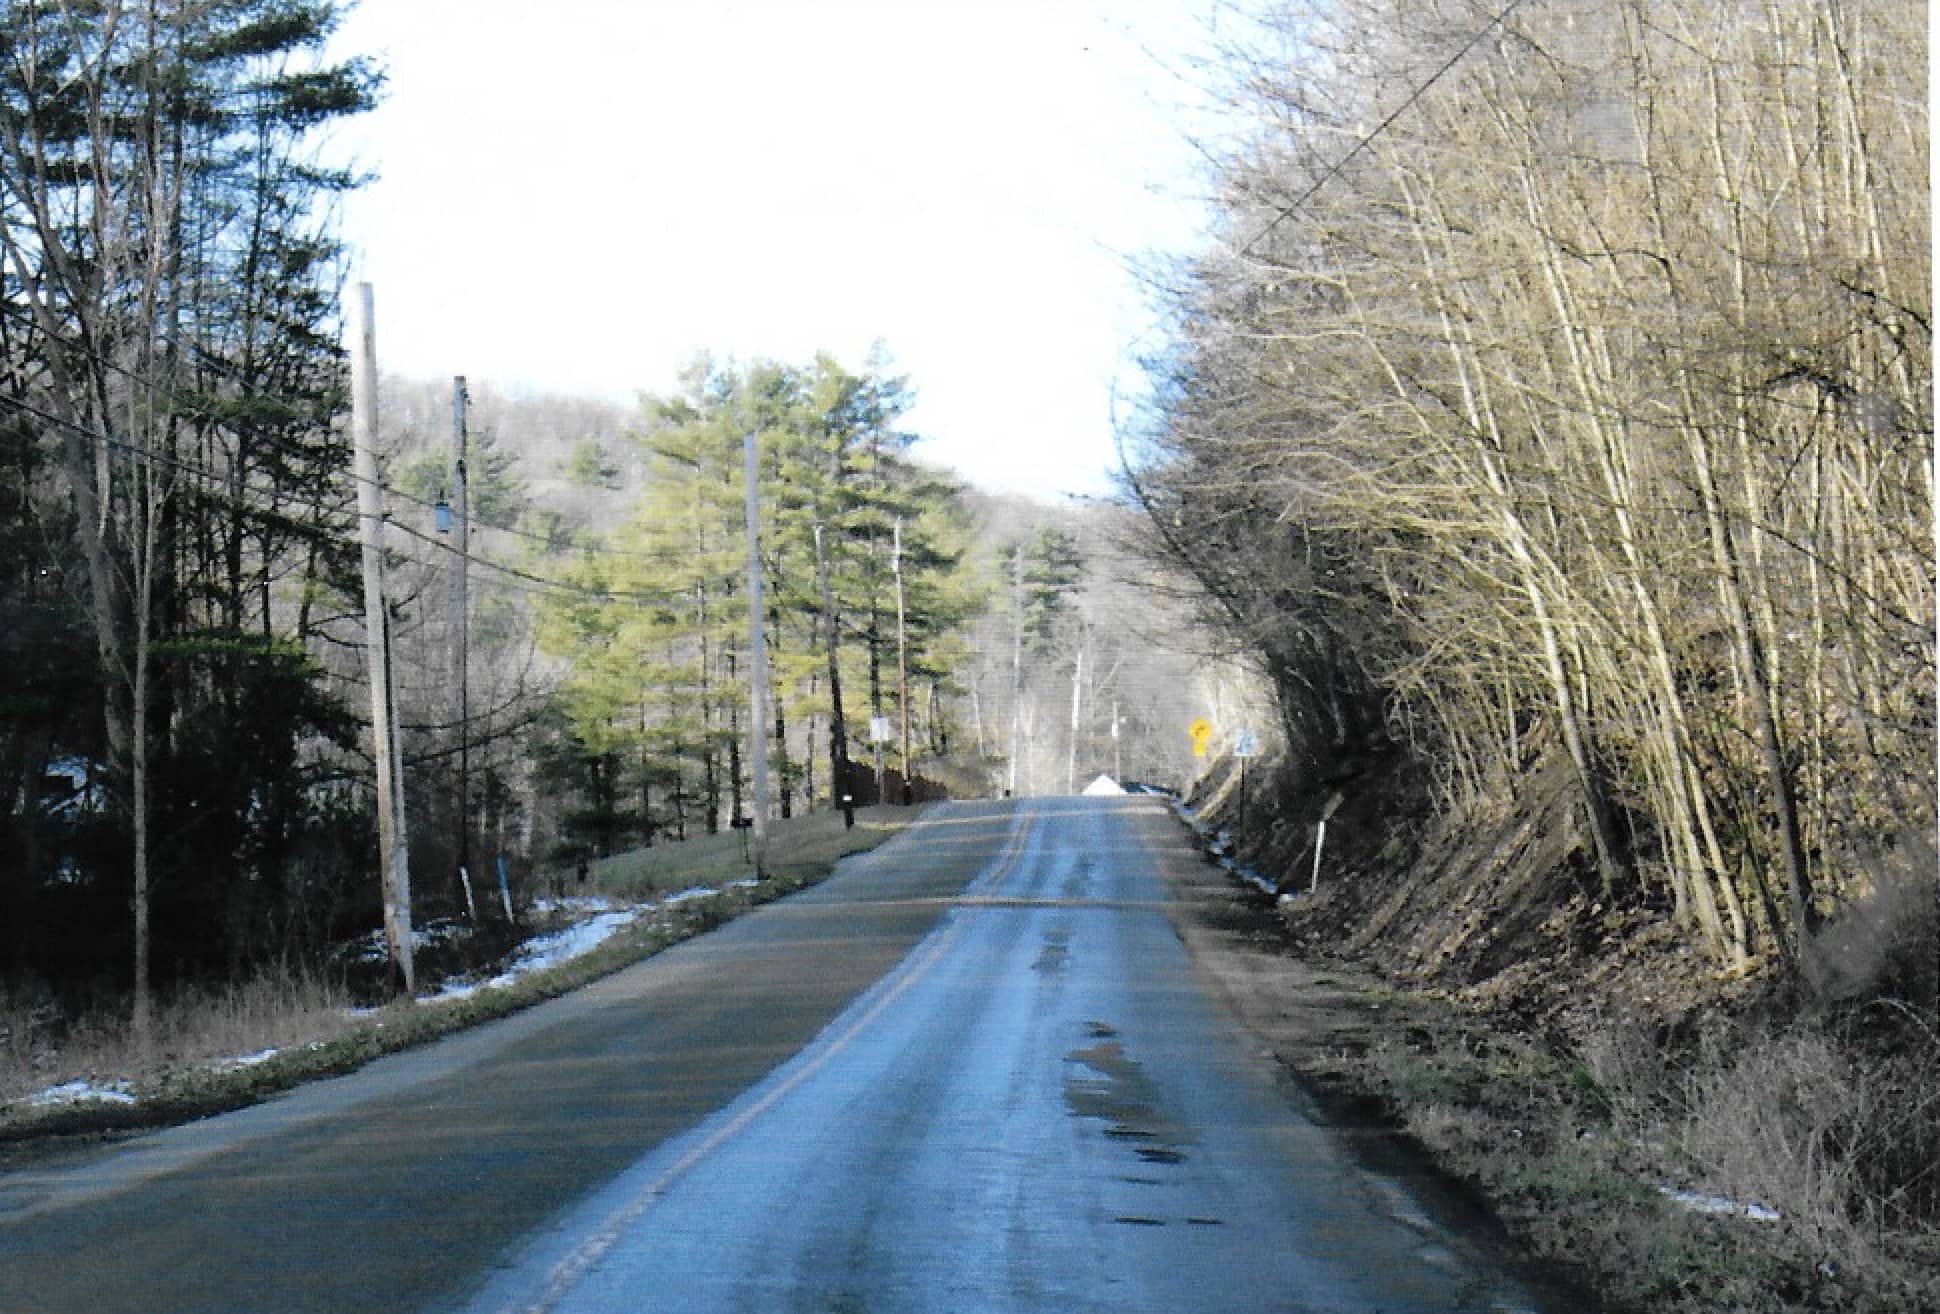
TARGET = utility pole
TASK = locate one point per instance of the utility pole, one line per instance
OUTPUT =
(461, 629)
(758, 650)
(388, 755)
(902, 658)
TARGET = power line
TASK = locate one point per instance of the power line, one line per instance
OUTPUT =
(145, 456)
(550, 542)
(213, 476)
(513, 572)
(1334, 170)
(175, 394)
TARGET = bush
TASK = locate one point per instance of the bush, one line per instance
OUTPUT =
(1833, 1121)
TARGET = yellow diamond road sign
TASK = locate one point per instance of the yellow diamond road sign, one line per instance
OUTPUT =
(1201, 732)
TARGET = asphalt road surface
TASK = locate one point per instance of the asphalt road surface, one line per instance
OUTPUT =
(972, 1072)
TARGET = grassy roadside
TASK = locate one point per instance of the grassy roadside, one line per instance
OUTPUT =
(1766, 1166)
(1809, 1159)
(801, 850)
(301, 1029)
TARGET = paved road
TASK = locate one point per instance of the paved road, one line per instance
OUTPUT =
(972, 1073)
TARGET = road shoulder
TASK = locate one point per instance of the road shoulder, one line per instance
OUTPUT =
(1320, 1022)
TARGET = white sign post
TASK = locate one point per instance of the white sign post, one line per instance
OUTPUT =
(1246, 743)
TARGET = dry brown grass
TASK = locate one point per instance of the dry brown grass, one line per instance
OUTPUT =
(197, 1026)
(1834, 1123)
(198, 1031)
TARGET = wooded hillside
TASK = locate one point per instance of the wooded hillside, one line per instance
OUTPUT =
(1560, 392)
(187, 771)
(1553, 420)
(172, 520)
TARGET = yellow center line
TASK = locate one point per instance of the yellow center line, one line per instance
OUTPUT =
(568, 1273)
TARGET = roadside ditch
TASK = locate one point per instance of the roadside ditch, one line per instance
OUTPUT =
(1547, 1153)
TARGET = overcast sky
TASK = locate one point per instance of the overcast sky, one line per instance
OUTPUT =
(580, 195)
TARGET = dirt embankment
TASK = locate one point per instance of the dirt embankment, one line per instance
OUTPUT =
(1650, 1133)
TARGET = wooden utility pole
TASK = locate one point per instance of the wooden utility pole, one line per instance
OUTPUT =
(902, 658)
(461, 629)
(388, 754)
(758, 652)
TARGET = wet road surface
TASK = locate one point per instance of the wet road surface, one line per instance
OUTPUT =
(970, 1073)
(1037, 1111)
(396, 1187)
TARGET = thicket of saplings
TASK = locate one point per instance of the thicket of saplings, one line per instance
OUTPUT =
(1572, 434)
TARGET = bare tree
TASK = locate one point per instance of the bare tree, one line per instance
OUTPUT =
(1588, 346)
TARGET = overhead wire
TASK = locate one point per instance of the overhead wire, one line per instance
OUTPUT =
(538, 584)
(1334, 170)
(284, 445)
(147, 456)
(511, 576)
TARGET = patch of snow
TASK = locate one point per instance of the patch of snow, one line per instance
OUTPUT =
(248, 1060)
(599, 920)
(1103, 787)
(706, 891)
(686, 896)
(80, 776)
(82, 1092)
(1717, 1204)
(548, 950)
(449, 928)
(1255, 879)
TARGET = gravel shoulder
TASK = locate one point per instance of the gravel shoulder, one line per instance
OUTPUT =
(1321, 1022)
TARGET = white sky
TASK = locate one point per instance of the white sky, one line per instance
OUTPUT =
(578, 196)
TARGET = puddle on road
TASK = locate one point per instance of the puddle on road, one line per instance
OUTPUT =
(1103, 1082)
(1111, 1086)
(1056, 954)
